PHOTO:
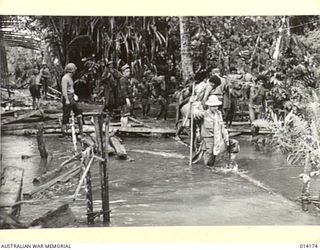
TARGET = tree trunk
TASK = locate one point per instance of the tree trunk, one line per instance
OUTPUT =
(276, 53)
(41, 144)
(186, 60)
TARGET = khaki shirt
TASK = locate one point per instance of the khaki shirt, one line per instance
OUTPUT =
(212, 128)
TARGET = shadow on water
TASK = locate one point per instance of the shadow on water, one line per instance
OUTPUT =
(159, 188)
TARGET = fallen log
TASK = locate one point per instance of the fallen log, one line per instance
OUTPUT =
(88, 141)
(92, 142)
(21, 108)
(233, 134)
(54, 97)
(29, 129)
(138, 122)
(52, 111)
(8, 113)
(8, 221)
(10, 189)
(240, 123)
(50, 116)
(68, 177)
(58, 218)
(52, 129)
(119, 148)
(28, 132)
(55, 91)
(53, 173)
(33, 119)
(168, 131)
(248, 131)
(21, 117)
(20, 126)
(72, 158)
(53, 114)
(50, 183)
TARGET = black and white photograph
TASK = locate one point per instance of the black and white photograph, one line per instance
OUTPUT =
(140, 121)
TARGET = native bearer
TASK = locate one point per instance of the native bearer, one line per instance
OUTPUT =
(110, 79)
(35, 88)
(45, 79)
(126, 94)
(69, 98)
(215, 138)
(257, 101)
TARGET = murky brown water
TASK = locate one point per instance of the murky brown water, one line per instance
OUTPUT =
(158, 188)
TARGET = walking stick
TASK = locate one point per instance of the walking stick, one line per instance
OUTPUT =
(191, 126)
(73, 132)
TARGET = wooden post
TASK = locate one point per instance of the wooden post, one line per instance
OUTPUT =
(107, 136)
(73, 133)
(98, 120)
(41, 144)
(90, 215)
(80, 125)
(105, 186)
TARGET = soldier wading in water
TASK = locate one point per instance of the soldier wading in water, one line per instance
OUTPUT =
(215, 137)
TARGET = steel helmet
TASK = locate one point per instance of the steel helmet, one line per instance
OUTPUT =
(70, 68)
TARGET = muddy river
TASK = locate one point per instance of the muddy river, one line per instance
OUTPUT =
(156, 187)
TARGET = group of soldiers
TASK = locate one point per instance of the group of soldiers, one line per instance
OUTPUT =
(216, 96)
(230, 90)
(123, 91)
(211, 101)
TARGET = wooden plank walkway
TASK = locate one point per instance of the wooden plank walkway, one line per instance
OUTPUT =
(21, 117)
(30, 129)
